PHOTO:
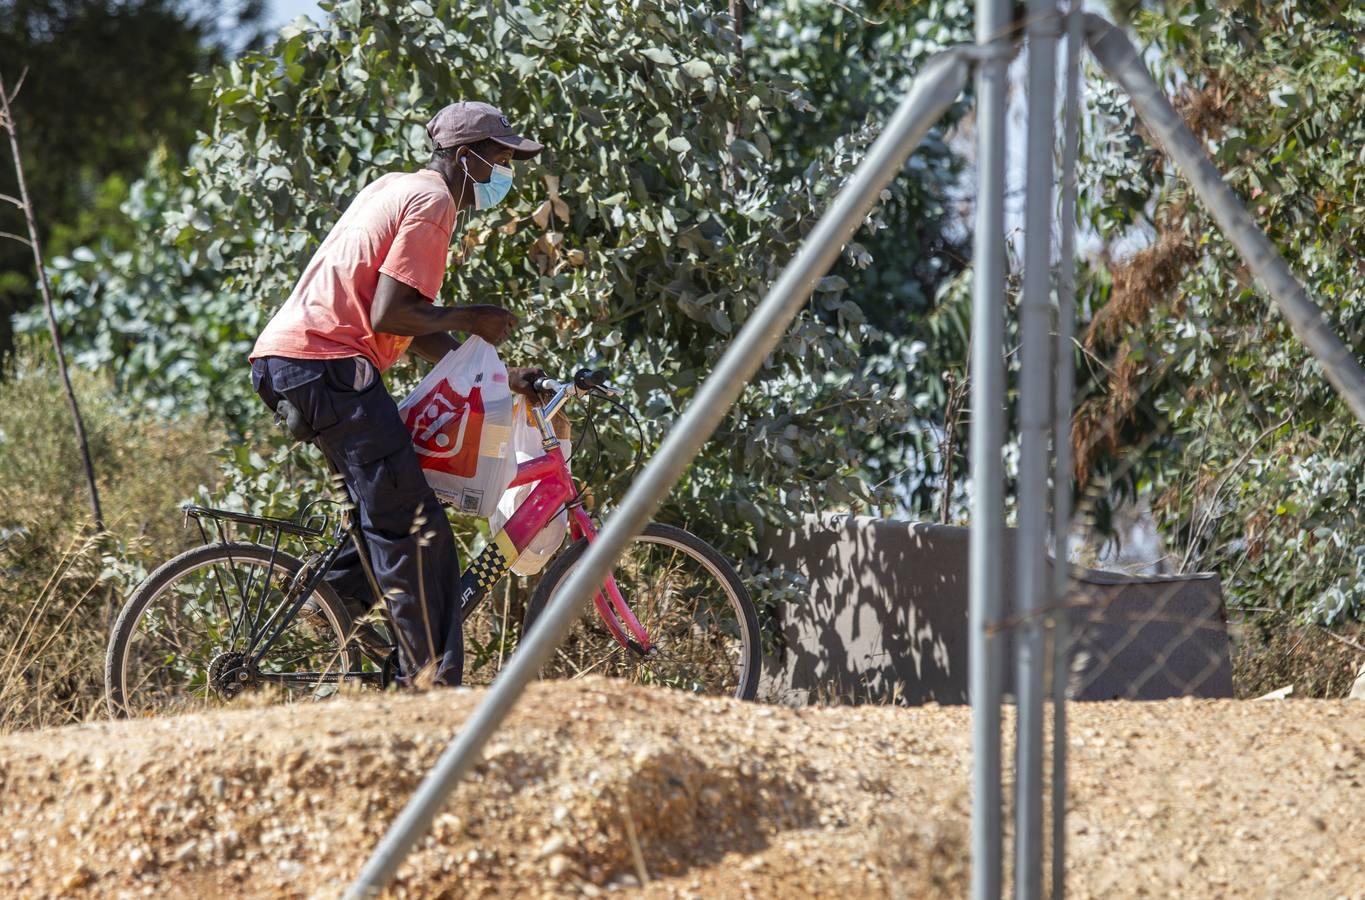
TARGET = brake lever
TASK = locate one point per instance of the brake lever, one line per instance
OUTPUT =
(606, 390)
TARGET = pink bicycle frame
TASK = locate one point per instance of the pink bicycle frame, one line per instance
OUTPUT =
(554, 488)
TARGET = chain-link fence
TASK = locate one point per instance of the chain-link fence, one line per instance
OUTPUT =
(1148, 639)
(1139, 429)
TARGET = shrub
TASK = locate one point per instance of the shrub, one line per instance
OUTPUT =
(1252, 463)
(63, 584)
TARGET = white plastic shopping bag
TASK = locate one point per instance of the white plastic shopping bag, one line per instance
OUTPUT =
(526, 445)
(460, 418)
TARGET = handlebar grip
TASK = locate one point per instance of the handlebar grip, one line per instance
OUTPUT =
(586, 379)
(547, 385)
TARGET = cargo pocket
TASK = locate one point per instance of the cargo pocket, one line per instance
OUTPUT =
(372, 446)
(301, 383)
(371, 423)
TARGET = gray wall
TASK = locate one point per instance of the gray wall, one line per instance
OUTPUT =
(886, 619)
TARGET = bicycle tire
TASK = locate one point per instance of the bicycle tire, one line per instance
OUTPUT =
(588, 627)
(334, 612)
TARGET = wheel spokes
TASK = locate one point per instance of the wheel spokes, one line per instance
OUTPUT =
(203, 613)
(690, 618)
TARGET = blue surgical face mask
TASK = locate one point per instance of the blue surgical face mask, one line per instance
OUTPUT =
(494, 191)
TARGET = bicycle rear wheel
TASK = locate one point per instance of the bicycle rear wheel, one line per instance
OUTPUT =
(692, 605)
(183, 640)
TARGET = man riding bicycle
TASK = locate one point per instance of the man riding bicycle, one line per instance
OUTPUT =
(366, 296)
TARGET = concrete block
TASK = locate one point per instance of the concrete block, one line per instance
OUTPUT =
(886, 621)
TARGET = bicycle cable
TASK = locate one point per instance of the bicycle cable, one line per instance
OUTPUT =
(591, 428)
(639, 431)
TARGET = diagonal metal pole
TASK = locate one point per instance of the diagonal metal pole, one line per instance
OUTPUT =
(1120, 59)
(985, 659)
(1035, 420)
(1061, 438)
(938, 85)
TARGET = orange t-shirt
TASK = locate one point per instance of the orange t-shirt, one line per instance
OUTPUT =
(400, 226)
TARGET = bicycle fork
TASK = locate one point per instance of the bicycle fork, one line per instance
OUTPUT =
(496, 559)
(613, 608)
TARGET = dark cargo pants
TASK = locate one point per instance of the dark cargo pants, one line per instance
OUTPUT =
(410, 543)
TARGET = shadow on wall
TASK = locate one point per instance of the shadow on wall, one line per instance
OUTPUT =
(886, 621)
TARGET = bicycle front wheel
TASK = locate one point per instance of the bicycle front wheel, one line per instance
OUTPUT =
(185, 639)
(692, 605)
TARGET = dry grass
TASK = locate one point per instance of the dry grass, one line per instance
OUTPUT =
(62, 582)
(50, 667)
(1318, 662)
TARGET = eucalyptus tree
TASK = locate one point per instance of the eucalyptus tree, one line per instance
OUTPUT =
(661, 210)
(1252, 465)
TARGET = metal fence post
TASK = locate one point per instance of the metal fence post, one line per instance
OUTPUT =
(1035, 419)
(938, 85)
(1120, 59)
(985, 661)
(1061, 439)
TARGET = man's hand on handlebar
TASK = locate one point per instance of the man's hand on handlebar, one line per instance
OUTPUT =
(523, 381)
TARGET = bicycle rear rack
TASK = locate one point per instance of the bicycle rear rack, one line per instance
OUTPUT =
(261, 524)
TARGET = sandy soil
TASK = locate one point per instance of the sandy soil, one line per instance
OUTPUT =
(597, 788)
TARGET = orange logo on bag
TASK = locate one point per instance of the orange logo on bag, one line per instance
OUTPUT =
(446, 427)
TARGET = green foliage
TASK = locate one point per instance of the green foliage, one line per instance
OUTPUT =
(851, 65)
(1253, 466)
(163, 323)
(638, 241)
(107, 82)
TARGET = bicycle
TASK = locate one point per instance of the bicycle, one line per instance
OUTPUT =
(180, 642)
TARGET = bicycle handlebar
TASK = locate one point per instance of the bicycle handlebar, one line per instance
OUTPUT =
(585, 381)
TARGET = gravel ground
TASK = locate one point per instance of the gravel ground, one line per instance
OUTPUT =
(599, 788)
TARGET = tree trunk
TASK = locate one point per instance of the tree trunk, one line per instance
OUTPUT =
(8, 122)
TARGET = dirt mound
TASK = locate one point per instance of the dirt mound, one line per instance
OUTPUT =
(596, 787)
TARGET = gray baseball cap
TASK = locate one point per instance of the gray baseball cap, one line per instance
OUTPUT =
(469, 121)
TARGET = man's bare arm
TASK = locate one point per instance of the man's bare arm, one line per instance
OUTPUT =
(434, 347)
(399, 309)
